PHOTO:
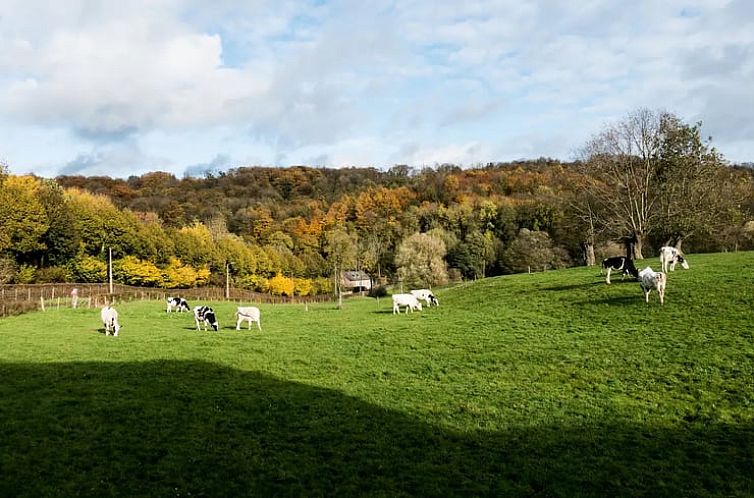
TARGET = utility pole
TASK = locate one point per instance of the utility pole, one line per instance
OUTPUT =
(110, 267)
(227, 280)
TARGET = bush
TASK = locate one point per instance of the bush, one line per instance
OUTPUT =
(132, 271)
(89, 270)
(258, 283)
(323, 285)
(379, 291)
(25, 275)
(8, 269)
(281, 285)
(54, 274)
(302, 286)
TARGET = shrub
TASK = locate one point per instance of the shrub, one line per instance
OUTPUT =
(89, 269)
(25, 275)
(132, 271)
(53, 274)
(281, 285)
(379, 291)
(323, 285)
(8, 269)
(256, 283)
(302, 286)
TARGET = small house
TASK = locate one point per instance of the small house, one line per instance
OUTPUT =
(356, 281)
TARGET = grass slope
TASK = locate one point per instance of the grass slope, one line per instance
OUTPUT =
(550, 384)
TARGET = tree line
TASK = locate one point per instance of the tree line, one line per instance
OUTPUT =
(645, 181)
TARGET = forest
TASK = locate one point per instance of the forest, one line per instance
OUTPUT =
(643, 182)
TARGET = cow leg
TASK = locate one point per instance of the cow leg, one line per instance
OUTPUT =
(608, 275)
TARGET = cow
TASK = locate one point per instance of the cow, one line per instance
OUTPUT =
(408, 300)
(649, 280)
(426, 295)
(669, 257)
(178, 304)
(250, 314)
(110, 320)
(205, 315)
(619, 263)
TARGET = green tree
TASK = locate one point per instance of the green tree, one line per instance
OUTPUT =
(420, 261)
(341, 248)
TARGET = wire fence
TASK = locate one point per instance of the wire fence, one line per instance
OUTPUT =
(21, 298)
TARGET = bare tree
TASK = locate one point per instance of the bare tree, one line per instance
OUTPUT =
(624, 162)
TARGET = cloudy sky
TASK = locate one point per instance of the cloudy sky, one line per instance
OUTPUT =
(125, 87)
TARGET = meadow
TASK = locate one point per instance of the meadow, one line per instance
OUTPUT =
(547, 384)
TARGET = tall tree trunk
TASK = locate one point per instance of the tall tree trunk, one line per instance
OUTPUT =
(679, 243)
(587, 248)
(637, 244)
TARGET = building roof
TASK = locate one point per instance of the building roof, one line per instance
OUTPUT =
(355, 275)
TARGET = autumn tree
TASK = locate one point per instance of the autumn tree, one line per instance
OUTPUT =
(420, 261)
(23, 220)
(341, 248)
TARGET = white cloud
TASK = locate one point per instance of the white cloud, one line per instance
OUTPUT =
(347, 82)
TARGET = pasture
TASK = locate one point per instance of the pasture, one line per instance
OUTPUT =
(549, 384)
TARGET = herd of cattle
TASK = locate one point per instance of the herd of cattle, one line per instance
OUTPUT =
(649, 279)
(203, 315)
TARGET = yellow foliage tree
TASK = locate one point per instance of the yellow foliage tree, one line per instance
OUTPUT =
(281, 285)
(303, 286)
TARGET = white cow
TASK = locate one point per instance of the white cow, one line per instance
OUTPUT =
(110, 320)
(250, 314)
(425, 295)
(650, 279)
(669, 256)
(408, 300)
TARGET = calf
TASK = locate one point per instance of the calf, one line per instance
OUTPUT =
(250, 314)
(178, 304)
(206, 315)
(619, 263)
(408, 300)
(669, 257)
(110, 320)
(426, 295)
(650, 279)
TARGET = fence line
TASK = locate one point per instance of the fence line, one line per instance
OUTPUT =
(21, 298)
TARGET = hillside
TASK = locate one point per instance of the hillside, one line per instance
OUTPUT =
(547, 384)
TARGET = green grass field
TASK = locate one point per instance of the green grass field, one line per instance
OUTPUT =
(550, 384)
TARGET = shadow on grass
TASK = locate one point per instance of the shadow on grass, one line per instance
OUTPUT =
(188, 428)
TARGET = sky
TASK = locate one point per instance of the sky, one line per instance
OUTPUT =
(121, 88)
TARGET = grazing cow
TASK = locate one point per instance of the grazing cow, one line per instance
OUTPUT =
(205, 315)
(178, 304)
(110, 320)
(250, 314)
(650, 279)
(669, 257)
(408, 300)
(619, 263)
(426, 295)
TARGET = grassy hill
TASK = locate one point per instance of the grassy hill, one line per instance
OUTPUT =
(550, 384)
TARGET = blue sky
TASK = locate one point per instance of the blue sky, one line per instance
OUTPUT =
(122, 88)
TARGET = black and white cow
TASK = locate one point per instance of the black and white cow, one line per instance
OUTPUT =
(178, 304)
(669, 257)
(206, 315)
(619, 263)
